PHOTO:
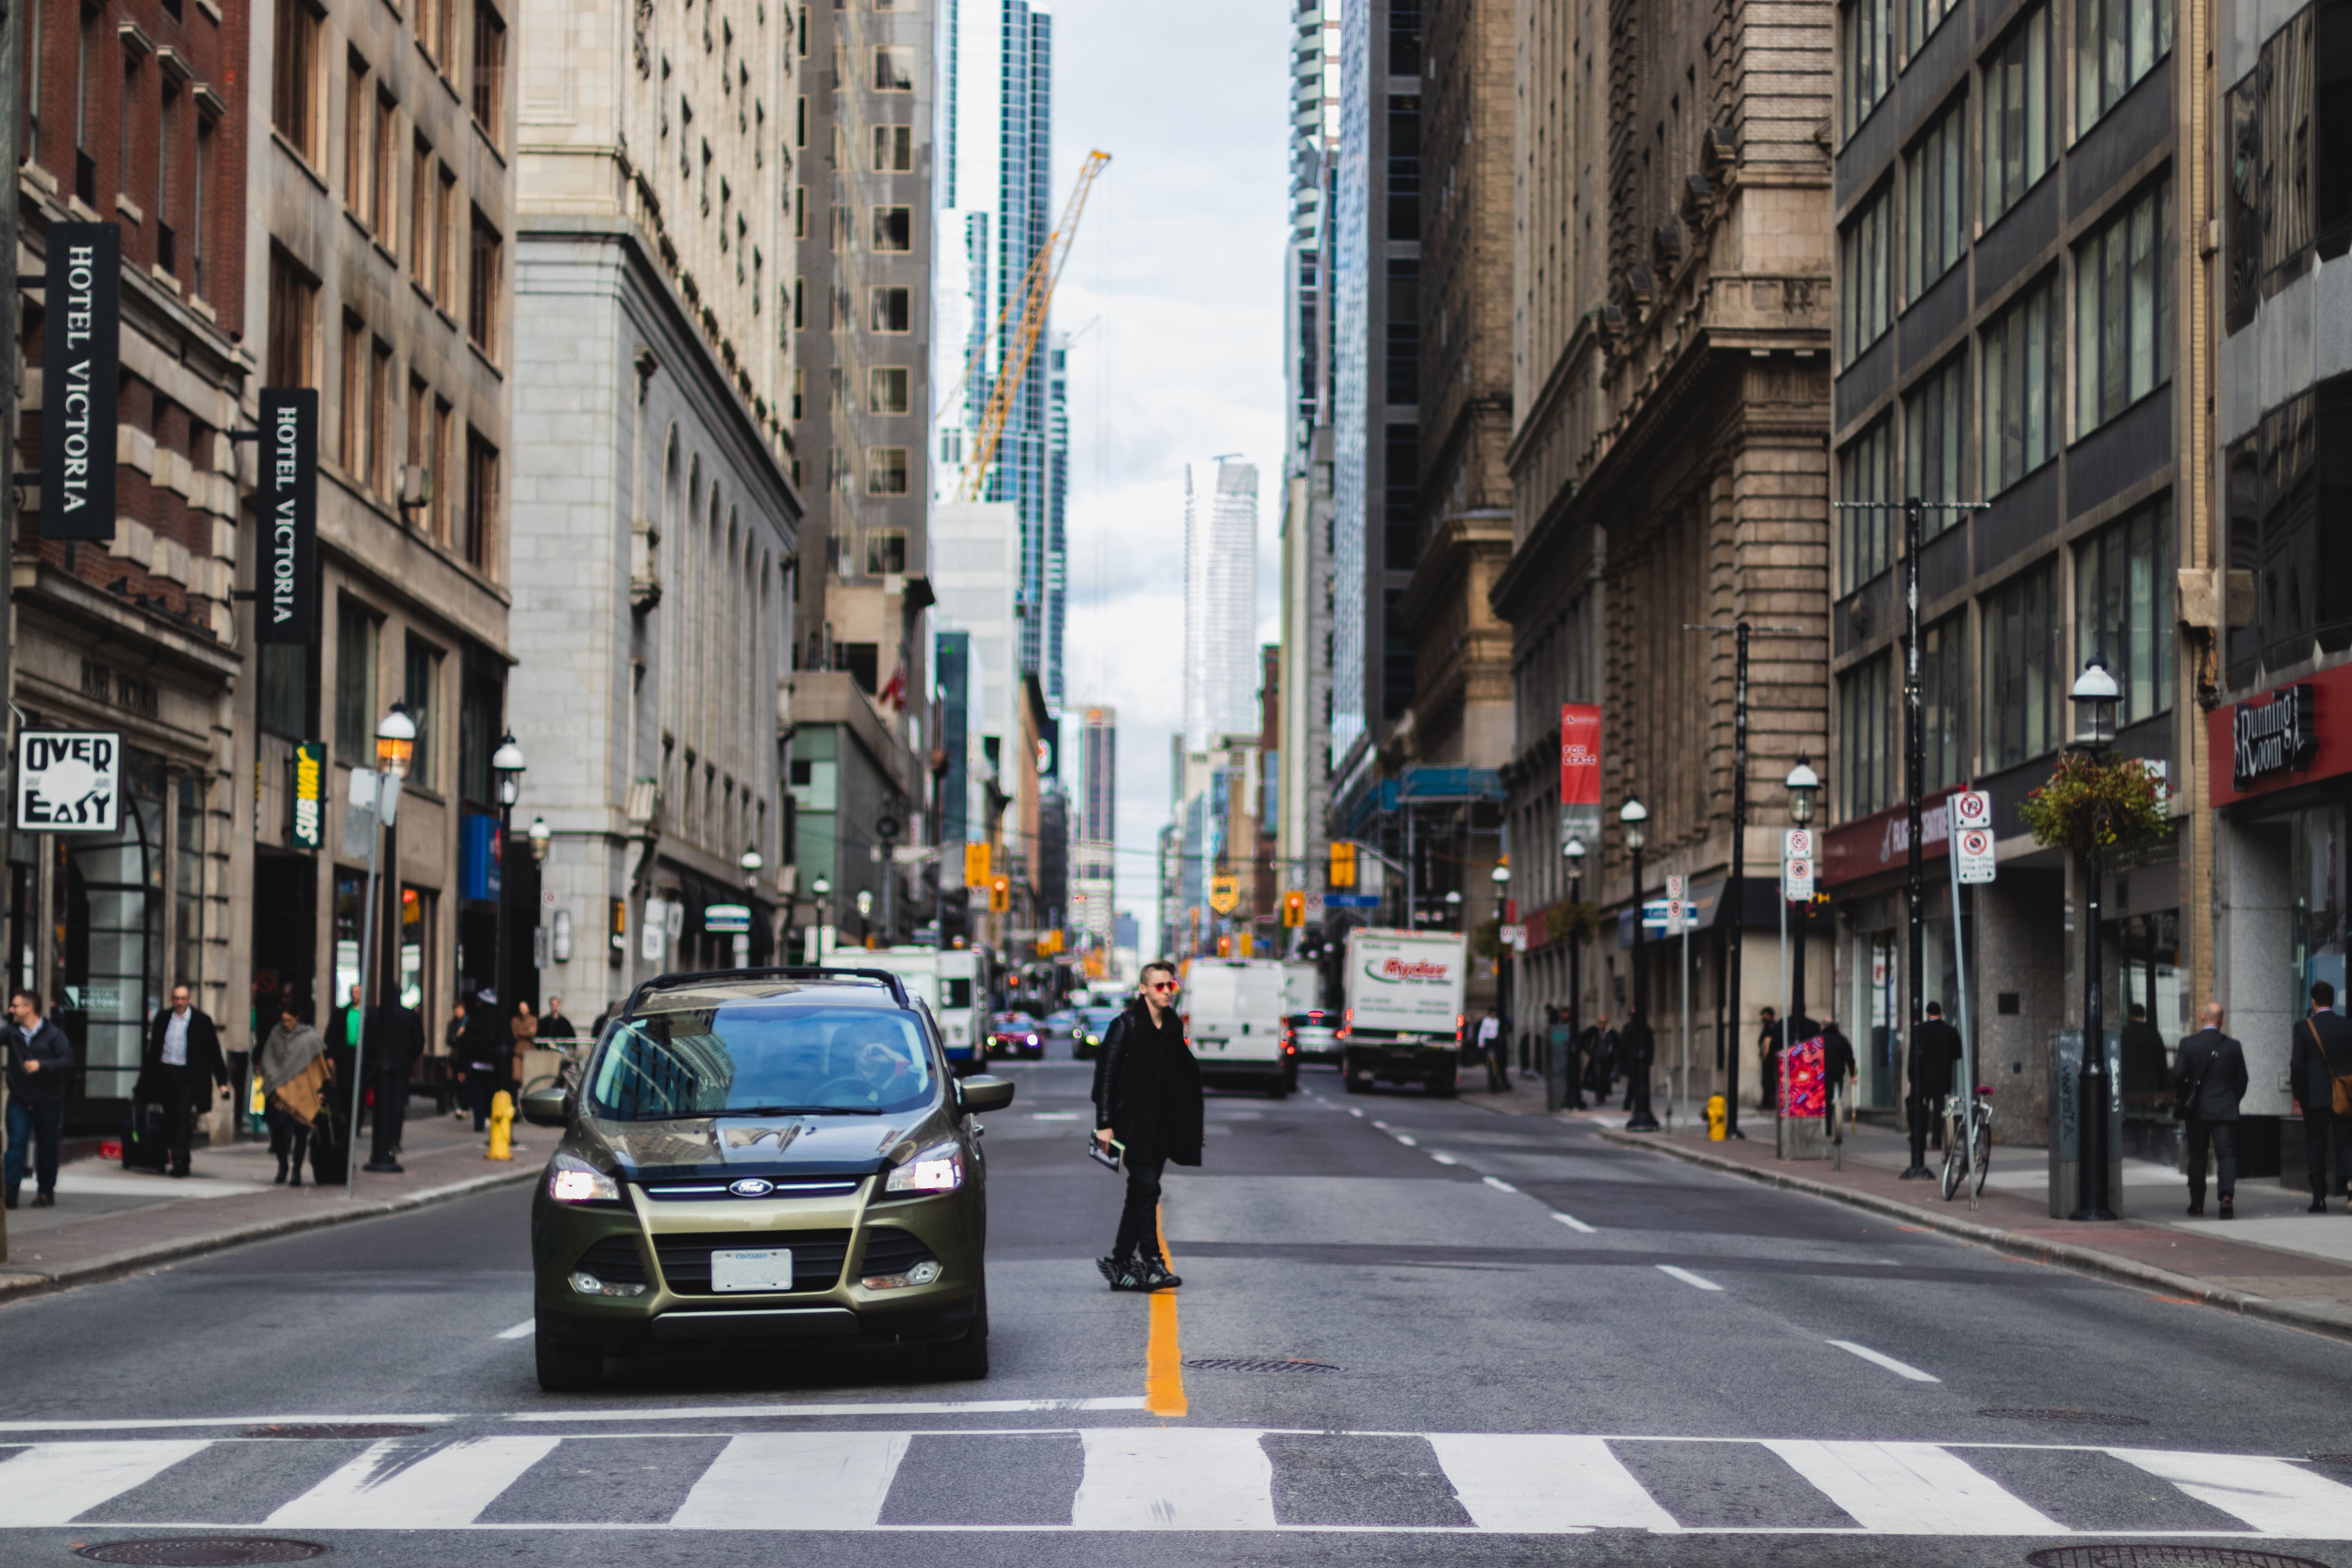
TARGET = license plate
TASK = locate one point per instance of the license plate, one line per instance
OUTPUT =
(751, 1269)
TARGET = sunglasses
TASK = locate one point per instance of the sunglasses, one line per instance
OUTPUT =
(1161, 985)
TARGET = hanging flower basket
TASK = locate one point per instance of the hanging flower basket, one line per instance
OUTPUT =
(2094, 806)
(1564, 919)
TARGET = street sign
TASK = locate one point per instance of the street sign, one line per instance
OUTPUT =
(1972, 856)
(1796, 844)
(1972, 808)
(1224, 894)
(1677, 906)
(1797, 878)
(1352, 900)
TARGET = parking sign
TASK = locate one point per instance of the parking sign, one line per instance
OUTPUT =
(1973, 854)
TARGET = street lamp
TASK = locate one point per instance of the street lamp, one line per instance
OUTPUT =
(1802, 782)
(1633, 814)
(752, 860)
(2094, 694)
(508, 763)
(1574, 853)
(541, 838)
(395, 742)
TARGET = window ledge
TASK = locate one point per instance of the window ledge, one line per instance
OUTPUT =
(127, 210)
(422, 292)
(358, 223)
(301, 160)
(490, 144)
(488, 363)
(390, 259)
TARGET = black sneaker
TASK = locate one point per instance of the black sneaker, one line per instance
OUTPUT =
(1130, 1277)
(1156, 1276)
(1110, 1268)
(2319, 1205)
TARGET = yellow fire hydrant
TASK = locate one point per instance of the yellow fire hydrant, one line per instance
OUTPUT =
(1715, 1114)
(502, 1127)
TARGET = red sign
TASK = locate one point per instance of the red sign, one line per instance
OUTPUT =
(1874, 843)
(2331, 692)
(1579, 758)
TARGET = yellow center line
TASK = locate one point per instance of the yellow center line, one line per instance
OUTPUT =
(1163, 1364)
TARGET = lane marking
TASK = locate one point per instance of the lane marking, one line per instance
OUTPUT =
(1381, 1125)
(795, 1480)
(1408, 1140)
(1173, 1477)
(2277, 1497)
(1356, 1111)
(1500, 1185)
(1163, 1360)
(1877, 1358)
(166, 1423)
(1575, 1224)
(49, 1483)
(1445, 1159)
(1053, 1116)
(1697, 1282)
(1912, 1489)
(521, 1330)
(787, 1411)
(409, 1483)
(1545, 1485)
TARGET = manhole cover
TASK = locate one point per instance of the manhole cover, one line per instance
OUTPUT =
(2137, 1555)
(1259, 1363)
(203, 1551)
(335, 1429)
(2065, 1417)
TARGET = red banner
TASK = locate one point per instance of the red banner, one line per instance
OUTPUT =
(1580, 772)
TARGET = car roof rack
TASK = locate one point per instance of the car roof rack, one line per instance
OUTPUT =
(892, 983)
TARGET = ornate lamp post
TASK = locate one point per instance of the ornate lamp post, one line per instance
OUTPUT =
(508, 763)
(2095, 692)
(1633, 814)
(395, 742)
(1574, 853)
(1803, 784)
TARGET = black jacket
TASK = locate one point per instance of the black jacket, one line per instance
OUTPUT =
(206, 1066)
(395, 1039)
(1935, 1052)
(2210, 1076)
(2312, 1070)
(1148, 1089)
(1637, 1047)
(2145, 1068)
(1837, 1059)
(48, 1046)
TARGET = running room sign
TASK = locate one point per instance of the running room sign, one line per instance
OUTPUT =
(68, 781)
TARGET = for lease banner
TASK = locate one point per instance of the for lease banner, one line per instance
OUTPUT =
(1580, 772)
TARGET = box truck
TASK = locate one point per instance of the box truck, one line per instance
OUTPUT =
(1401, 1020)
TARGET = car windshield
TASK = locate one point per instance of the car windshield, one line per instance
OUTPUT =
(760, 1058)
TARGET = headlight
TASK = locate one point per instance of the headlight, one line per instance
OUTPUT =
(587, 1284)
(1033, 1039)
(571, 1180)
(938, 1169)
(927, 1272)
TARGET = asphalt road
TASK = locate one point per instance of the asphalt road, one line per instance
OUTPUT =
(1460, 1337)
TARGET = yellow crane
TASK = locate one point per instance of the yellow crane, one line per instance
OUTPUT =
(1033, 297)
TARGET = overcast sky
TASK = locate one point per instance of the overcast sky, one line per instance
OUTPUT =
(1173, 295)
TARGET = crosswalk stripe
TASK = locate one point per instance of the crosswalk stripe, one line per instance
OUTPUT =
(49, 1483)
(1911, 1488)
(1173, 1477)
(2276, 1496)
(1545, 1485)
(407, 1484)
(795, 1480)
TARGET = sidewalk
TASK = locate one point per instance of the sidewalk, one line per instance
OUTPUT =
(110, 1221)
(2273, 1261)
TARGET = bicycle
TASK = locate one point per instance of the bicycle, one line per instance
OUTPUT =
(1968, 1142)
(567, 1075)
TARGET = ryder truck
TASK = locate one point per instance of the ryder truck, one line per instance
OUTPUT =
(1402, 1017)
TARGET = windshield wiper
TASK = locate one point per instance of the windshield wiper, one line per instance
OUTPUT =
(796, 1110)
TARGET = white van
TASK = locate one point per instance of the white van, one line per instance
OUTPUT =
(1232, 1010)
(949, 983)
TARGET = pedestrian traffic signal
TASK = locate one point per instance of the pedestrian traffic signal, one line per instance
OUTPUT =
(1294, 908)
(1224, 947)
(1343, 864)
(975, 864)
(1000, 894)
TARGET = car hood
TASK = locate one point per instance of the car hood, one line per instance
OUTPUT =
(756, 1146)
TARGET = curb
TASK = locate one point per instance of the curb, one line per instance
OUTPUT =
(2063, 1254)
(17, 1282)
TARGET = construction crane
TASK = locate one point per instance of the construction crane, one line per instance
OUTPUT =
(1033, 298)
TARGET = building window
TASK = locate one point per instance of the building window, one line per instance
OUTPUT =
(199, 191)
(885, 551)
(293, 346)
(894, 228)
(2123, 311)
(1943, 697)
(1865, 771)
(894, 68)
(1867, 43)
(419, 416)
(355, 713)
(886, 471)
(1934, 239)
(2116, 42)
(283, 695)
(127, 135)
(2022, 689)
(167, 160)
(444, 237)
(888, 389)
(481, 500)
(1921, 18)
(1865, 292)
(1935, 436)
(1402, 359)
(893, 308)
(2123, 609)
(2023, 390)
(445, 500)
(1865, 533)
(894, 147)
(358, 162)
(486, 277)
(420, 216)
(421, 691)
(293, 85)
(2019, 106)
(490, 70)
(384, 181)
(2282, 180)
(351, 448)
(1404, 167)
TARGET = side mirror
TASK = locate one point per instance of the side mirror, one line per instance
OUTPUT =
(545, 1108)
(983, 1093)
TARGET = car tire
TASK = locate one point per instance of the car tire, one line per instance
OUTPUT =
(567, 1369)
(1442, 1085)
(965, 1360)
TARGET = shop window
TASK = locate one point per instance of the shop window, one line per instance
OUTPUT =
(1865, 532)
(2024, 695)
(188, 880)
(110, 904)
(2123, 608)
(1866, 772)
(417, 908)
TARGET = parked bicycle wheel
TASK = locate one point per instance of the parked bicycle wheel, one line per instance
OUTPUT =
(1980, 1145)
(1955, 1155)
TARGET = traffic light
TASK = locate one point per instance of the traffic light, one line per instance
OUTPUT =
(1245, 944)
(1294, 908)
(1000, 893)
(975, 864)
(1224, 947)
(1343, 863)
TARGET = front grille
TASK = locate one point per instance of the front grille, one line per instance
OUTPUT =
(817, 1256)
(888, 1251)
(616, 1262)
(787, 1187)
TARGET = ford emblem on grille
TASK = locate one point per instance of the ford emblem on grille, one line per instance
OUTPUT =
(751, 1187)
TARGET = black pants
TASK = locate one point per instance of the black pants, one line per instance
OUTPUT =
(178, 1089)
(1922, 1113)
(2223, 1137)
(290, 1140)
(1139, 1221)
(2325, 1132)
(34, 1127)
(1498, 1064)
(1637, 1094)
(480, 1085)
(390, 1112)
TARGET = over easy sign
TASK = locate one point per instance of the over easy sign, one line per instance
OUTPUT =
(68, 781)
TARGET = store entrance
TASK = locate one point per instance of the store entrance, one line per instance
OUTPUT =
(284, 934)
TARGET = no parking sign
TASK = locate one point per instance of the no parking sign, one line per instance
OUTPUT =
(1972, 839)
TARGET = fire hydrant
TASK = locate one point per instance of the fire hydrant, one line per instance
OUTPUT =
(502, 1127)
(1715, 1114)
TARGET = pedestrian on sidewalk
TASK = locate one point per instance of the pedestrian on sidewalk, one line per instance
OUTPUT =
(1768, 1061)
(1935, 1052)
(1563, 1042)
(453, 1061)
(1495, 1044)
(1601, 1053)
(1147, 1098)
(486, 1046)
(2209, 1078)
(292, 1046)
(395, 1038)
(1637, 1049)
(1838, 1065)
(178, 1069)
(2320, 1058)
(555, 1026)
(39, 1058)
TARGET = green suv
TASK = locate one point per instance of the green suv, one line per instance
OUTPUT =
(771, 1159)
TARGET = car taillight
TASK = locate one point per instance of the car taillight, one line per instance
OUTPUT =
(1457, 1028)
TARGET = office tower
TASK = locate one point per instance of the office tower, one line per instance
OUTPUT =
(1095, 879)
(1220, 607)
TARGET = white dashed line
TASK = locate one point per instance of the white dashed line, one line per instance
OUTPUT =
(521, 1330)
(1500, 1185)
(1356, 1111)
(1408, 1140)
(1695, 1282)
(1444, 1159)
(1575, 1224)
(1876, 1358)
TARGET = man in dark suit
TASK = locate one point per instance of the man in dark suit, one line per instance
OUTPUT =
(179, 1068)
(1935, 1052)
(1637, 1049)
(2322, 1054)
(395, 1038)
(2208, 1075)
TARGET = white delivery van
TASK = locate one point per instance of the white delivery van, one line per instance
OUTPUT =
(1402, 1017)
(1233, 1011)
(950, 983)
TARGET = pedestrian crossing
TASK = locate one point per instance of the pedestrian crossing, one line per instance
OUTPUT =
(1165, 1478)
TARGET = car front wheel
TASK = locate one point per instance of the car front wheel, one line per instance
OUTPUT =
(567, 1369)
(965, 1359)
